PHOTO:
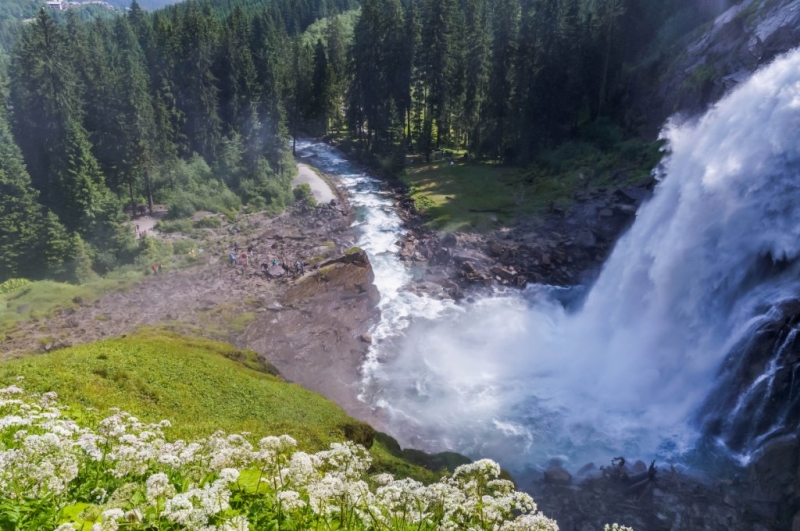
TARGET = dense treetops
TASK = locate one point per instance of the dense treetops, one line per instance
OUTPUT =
(194, 105)
(503, 79)
(185, 107)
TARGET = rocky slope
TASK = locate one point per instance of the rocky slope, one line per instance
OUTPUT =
(713, 60)
(309, 326)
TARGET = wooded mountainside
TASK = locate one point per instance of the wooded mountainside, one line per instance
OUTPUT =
(193, 105)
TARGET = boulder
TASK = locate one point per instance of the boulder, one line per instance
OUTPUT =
(503, 273)
(449, 240)
(469, 268)
(276, 271)
(557, 476)
(495, 249)
(366, 338)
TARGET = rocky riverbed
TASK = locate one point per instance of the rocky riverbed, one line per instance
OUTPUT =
(561, 247)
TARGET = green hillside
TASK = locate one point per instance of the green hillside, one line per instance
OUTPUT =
(200, 386)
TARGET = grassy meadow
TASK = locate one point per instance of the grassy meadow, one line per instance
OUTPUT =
(476, 196)
(202, 386)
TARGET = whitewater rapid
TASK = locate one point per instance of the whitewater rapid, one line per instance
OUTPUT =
(518, 378)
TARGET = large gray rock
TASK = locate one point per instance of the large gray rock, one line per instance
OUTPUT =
(557, 475)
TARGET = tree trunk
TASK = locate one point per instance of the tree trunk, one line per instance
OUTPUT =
(149, 192)
(133, 201)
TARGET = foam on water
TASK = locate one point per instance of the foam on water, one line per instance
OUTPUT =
(518, 378)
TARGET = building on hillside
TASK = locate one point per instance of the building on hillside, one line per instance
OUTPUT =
(58, 5)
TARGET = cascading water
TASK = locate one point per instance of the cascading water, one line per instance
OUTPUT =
(518, 378)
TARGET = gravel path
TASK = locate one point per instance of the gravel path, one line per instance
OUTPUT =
(321, 190)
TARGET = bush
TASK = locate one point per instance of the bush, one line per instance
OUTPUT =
(195, 188)
(303, 193)
(256, 204)
(13, 284)
(153, 251)
(184, 246)
(208, 222)
(178, 225)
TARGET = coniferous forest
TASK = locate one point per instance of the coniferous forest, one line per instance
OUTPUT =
(194, 105)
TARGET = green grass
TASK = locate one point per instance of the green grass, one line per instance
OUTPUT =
(41, 299)
(476, 196)
(464, 196)
(201, 386)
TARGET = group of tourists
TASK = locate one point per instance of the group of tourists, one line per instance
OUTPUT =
(244, 258)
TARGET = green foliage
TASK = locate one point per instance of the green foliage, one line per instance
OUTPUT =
(195, 189)
(153, 251)
(13, 284)
(303, 193)
(208, 222)
(174, 225)
(80, 265)
(184, 246)
(320, 30)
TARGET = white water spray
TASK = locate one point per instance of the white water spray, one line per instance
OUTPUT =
(516, 378)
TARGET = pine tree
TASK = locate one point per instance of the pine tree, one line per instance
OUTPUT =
(136, 129)
(87, 206)
(498, 112)
(27, 231)
(320, 89)
(476, 61)
(45, 96)
(337, 66)
(196, 91)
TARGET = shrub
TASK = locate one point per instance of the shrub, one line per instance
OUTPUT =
(13, 284)
(303, 193)
(172, 226)
(183, 246)
(208, 222)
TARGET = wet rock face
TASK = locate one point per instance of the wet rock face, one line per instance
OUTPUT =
(750, 34)
(757, 397)
(762, 497)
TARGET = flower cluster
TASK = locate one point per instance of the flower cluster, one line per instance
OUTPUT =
(126, 474)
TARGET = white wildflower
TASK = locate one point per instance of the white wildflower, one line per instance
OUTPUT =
(158, 486)
(237, 523)
(530, 522)
(229, 475)
(290, 500)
